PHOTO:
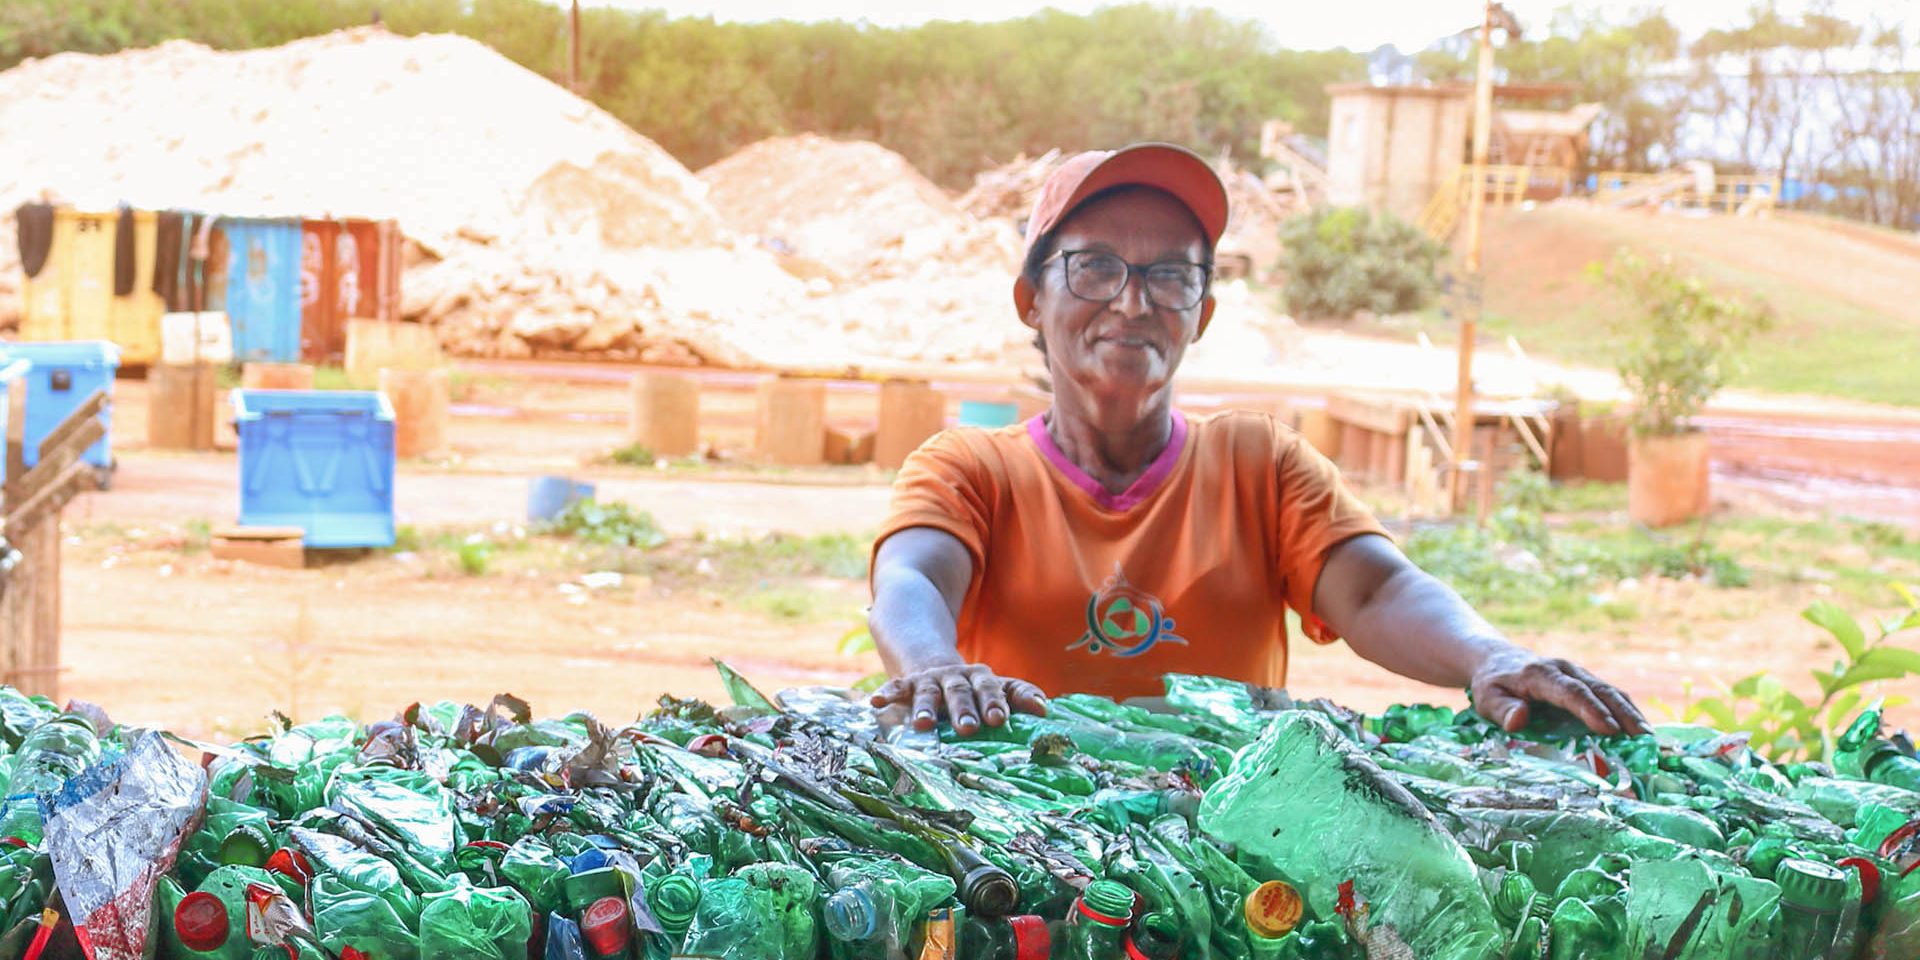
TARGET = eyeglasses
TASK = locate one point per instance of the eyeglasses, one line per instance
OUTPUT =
(1099, 276)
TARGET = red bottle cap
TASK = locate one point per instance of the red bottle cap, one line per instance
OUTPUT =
(1031, 938)
(605, 927)
(349, 953)
(201, 921)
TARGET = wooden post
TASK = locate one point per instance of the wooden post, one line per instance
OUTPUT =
(180, 401)
(665, 413)
(276, 376)
(30, 518)
(792, 424)
(419, 399)
(910, 412)
(1476, 210)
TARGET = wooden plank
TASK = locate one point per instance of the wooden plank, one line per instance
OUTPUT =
(76, 478)
(237, 532)
(88, 411)
(54, 463)
(289, 554)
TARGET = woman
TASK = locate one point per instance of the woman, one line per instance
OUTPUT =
(1114, 539)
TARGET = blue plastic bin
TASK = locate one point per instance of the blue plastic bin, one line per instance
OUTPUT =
(548, 497)
(320, 460)
(64, 375)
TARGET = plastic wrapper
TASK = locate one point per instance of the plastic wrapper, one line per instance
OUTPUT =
(111, 832)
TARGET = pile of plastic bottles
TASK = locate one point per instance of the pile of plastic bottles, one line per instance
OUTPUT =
(1220, 821)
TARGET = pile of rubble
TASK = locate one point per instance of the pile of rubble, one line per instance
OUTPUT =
(539, 223)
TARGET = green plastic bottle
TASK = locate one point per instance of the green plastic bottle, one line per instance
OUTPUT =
(673, 900)
(1096, 928)
(1023, 937)
(1811, 897)
(1155, 936)
(1304, 802)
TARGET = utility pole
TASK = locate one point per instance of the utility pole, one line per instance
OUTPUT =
(573, 48)
(1469, 317)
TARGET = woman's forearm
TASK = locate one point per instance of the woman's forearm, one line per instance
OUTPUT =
(1418, 627)
(912, 626)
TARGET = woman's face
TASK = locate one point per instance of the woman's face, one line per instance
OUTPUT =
(1127, 347)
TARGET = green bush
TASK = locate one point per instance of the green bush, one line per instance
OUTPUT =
(1341, 260)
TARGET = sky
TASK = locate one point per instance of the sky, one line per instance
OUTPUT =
(1356, 24)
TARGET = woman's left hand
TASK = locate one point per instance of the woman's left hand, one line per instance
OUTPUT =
(1509, 681)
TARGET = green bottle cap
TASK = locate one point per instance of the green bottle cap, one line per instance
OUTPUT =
(674, 899)
(248, 845)
(1107, 901)
(1811, 885)
(583, 888)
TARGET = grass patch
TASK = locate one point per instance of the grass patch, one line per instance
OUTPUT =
(1589, 497)
(633, 455)
(794, 603)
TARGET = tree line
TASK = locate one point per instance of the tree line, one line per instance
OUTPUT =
(951, 97)
(1814, 98)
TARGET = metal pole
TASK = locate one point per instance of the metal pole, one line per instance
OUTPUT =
(573, 48)
(1476, 207)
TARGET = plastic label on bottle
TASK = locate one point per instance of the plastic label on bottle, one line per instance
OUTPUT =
(939, 943)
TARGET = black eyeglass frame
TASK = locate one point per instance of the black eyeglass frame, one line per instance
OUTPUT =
(1065, 256)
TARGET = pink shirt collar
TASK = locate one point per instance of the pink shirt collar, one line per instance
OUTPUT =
(1140, 490)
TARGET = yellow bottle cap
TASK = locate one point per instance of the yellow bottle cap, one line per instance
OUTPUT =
(1273, 909)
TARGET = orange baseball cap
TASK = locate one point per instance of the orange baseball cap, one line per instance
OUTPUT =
(1164, 166)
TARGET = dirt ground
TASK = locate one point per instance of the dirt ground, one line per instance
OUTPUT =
(162, 632)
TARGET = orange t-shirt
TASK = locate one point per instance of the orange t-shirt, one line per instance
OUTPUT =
(1190, 570)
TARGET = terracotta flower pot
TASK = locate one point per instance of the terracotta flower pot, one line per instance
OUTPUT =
(1667, 479)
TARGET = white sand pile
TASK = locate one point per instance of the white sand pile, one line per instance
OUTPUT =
(543, 223)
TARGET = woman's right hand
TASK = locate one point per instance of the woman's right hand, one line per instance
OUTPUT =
(963, 693)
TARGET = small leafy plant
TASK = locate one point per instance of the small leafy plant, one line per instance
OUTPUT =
(1785, 726)
(614, 524)
(1678, 342)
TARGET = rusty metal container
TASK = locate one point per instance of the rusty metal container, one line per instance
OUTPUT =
(348, 268)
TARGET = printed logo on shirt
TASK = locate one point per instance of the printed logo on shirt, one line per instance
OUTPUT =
(1125, 620)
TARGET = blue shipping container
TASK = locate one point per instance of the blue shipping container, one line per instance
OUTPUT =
(263, 288)
(320, 460)
(64, 375)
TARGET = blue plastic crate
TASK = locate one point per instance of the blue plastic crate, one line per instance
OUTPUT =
(64, 375)
(320, 460)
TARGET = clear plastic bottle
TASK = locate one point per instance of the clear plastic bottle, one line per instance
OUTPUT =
(48, 756)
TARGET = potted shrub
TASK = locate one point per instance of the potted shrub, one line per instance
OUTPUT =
(1677, 343)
